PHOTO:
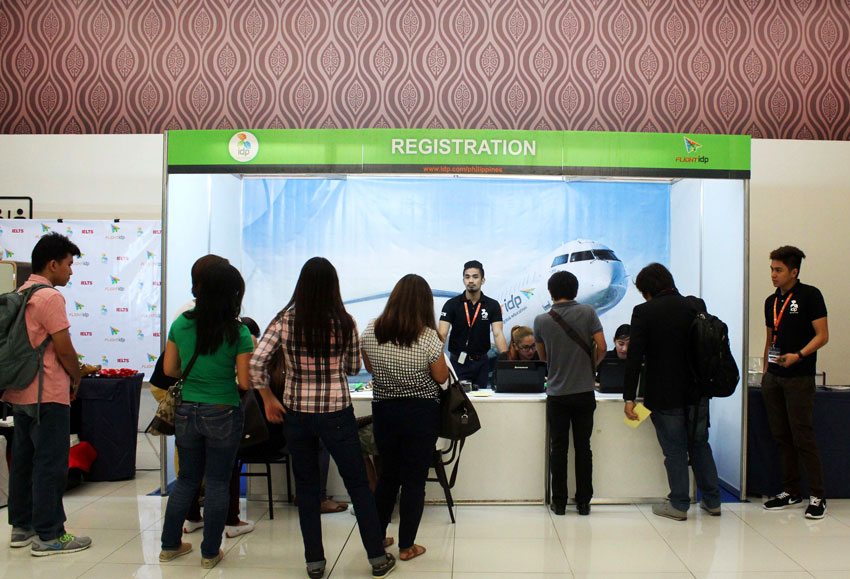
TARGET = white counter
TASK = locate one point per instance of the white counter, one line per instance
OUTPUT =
(506, 460)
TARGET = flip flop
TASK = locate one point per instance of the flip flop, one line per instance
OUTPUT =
(388, 541)
(340, 507)
(411, 553)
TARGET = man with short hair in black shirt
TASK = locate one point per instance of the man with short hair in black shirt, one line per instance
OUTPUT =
(471, 315)
(795, 316)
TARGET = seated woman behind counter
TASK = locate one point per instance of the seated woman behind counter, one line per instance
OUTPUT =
(522, 345)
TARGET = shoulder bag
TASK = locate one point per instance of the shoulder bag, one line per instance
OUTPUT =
(458, 418)
(255, 429)
(163, 420)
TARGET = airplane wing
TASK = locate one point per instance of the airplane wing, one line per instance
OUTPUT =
(436, 293)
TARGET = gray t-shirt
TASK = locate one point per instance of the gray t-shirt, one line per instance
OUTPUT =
(570, 371)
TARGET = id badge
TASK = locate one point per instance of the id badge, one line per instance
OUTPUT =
(461, 359)
(773, 355)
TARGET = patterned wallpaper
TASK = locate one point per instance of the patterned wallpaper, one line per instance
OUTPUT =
(769, 68)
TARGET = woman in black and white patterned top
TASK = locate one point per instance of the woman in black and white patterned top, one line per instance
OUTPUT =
(403, 352)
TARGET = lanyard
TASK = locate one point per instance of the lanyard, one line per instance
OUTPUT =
(474, 316)
(778, 319)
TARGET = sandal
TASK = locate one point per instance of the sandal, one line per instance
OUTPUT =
(411, 553)
(330, 506)
(388, 541)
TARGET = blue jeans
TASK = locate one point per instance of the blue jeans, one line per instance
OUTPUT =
(207, 438)
(338, 431)
(683, 432)
(406, 434)
(39, 470)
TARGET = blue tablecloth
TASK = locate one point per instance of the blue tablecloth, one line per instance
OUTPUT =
(106, 415)
(832, 429)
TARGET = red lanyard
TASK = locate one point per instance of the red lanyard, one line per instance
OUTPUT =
(778, 319)
(474, 317)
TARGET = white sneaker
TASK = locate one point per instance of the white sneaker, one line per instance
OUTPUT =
(192, 526)
(243, 527)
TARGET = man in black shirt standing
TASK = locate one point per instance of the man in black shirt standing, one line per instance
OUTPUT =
(471, 315)
(795, 316)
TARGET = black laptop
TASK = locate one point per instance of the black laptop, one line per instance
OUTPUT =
(612, 375)
(519, 376)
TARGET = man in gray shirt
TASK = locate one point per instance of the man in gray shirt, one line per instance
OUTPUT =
(565, 337)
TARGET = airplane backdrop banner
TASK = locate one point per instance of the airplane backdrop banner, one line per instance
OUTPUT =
(375, 230)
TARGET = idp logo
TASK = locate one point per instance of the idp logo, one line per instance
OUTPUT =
(78, 305)
(151, 307)
(113, 331)
(115, 228)
(114, 279)
(150, 255)
(243, 146)
(44, 228)
(151, 358)
(691, 145)
(8, 253)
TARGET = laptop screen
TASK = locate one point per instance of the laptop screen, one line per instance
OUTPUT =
(612, 374)
(524, 376)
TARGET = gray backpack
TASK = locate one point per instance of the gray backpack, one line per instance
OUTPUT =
(19, 361)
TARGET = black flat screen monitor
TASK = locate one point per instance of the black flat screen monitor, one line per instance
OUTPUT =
(612, 374)
(520, 376)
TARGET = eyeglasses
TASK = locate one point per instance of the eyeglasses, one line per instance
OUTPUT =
(526, 348)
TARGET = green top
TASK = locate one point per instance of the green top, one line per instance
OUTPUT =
(213, 376)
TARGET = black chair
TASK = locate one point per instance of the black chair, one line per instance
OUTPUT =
(267, 459)
(439, 461)
(268, 452)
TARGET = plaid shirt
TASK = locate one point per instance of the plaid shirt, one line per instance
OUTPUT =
(311, 384)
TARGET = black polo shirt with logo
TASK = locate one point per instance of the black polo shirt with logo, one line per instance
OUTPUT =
(795, 328)
(479, 335)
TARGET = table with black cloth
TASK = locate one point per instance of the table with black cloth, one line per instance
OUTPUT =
(106, 415)
(832, 431)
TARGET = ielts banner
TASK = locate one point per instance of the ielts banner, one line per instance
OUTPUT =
(113, 298)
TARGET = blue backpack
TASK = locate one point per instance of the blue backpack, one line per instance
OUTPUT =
(19, 361)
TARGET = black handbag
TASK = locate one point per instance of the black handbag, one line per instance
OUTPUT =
(458, 418)
(255, 429)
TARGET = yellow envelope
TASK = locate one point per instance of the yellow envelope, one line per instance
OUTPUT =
(643, 413)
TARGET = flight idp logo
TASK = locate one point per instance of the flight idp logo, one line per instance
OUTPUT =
(116, 232)
(79, 311)
(114, 279)
(151, 255)
(78, 305)
(113, 331)
(514, 304)
(114, 337)
(44, 228)
(243, 146)
(9, 254)
(691, 147)
(115, 228)
(151, 358)
(114, 285)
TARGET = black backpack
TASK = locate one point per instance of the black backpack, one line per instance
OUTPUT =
(712, 365)
(19, 361)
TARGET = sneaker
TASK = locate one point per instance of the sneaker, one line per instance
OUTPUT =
(669, 511)
(816, 508)
(243, 527)
(192, 526)
(316, 573)
(713, 511)
(212, 561)
(782, 501)
(67, 543)
(21, 537)
(385, 568)
(167, 555)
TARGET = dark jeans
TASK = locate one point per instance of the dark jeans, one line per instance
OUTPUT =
(683, 432)
(338, 432)
(789, 403)
(476, 371)
(406, 434)
(207, 438)
(574, 410)
(194, 513)
(39, 469)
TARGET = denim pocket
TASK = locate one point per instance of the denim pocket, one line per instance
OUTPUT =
(218, 423)
(181, 424)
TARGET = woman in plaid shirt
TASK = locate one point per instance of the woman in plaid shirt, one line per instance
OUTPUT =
(321, 346)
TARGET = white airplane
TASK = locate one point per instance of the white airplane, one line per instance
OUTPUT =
(602, 283)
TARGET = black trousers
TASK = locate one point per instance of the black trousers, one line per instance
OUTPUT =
(563, 412)
(789, 403)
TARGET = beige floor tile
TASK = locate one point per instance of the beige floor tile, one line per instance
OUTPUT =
(438, 558)
(529, 522)
(517, 555)
(744, 552)
(130, 570)
(755, 575)
(512, 576)
(56, 567)
(131, 512)
(655, 575)
(602, 525)
(639, 554)
(144, 549)
(817, 553)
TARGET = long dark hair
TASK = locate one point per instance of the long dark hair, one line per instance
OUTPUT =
(219, 301)
(409, 310)
(320, 317)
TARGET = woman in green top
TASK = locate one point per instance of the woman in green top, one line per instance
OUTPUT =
(209, 420)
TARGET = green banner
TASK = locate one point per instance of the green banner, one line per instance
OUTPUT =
(458, 151)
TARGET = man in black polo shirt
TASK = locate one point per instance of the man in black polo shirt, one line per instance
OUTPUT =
(795, 316)
(470, 316)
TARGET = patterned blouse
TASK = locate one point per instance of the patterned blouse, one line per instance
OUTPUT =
(399, 372)
(311, 384)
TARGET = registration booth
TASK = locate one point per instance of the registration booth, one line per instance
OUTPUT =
(380, 203)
